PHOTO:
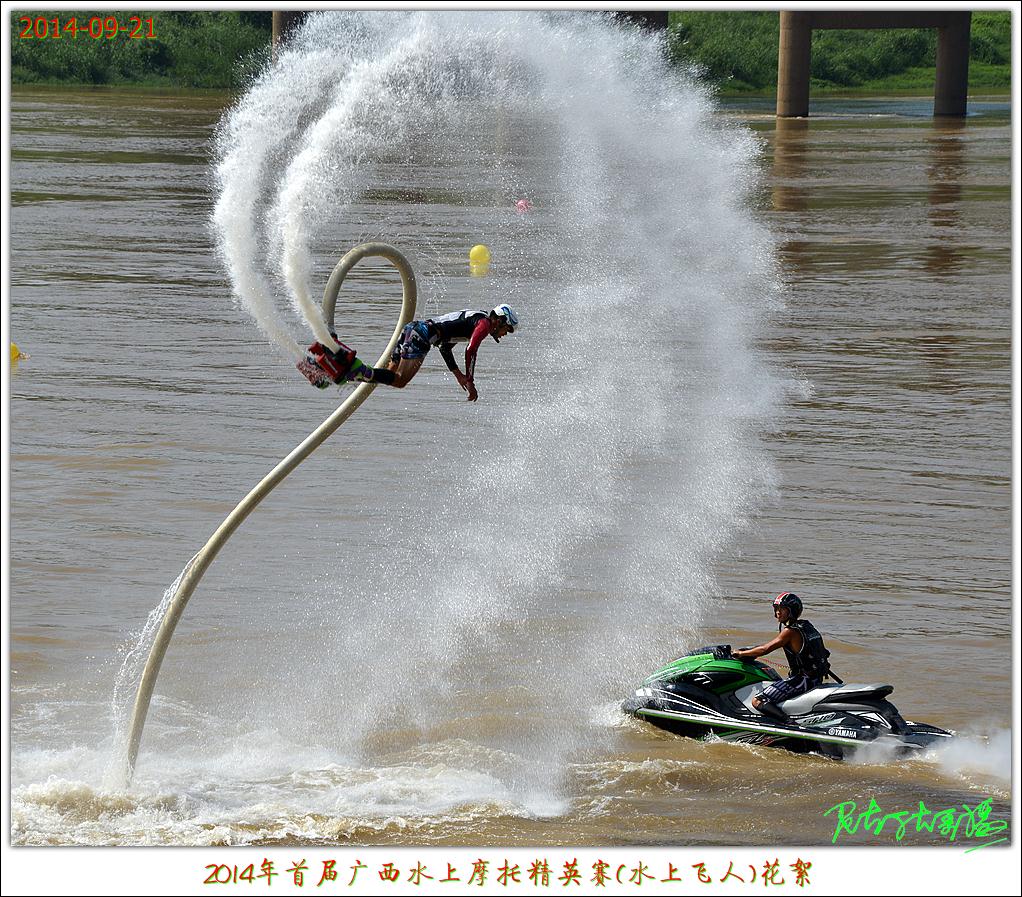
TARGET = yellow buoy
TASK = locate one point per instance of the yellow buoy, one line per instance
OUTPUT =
(15, 352)
(479, 255)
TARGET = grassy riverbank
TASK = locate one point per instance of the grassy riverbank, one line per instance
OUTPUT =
(185, 49)
(735, 51)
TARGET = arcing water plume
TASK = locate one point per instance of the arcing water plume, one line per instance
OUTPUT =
(623, 452)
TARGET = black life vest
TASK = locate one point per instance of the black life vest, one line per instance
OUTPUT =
(811, 661)
(455, 327)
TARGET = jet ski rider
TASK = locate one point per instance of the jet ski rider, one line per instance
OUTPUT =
(805, 652)
(418, 337)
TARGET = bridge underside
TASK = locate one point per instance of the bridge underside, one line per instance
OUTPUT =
(950, 93)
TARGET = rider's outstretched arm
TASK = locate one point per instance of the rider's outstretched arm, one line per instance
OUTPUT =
(481, 331)
(463, 381)
(447, 353)
(751, 653)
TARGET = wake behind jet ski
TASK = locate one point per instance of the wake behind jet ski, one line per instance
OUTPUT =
(714, 691)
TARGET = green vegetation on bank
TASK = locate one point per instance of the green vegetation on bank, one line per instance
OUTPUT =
(737, 51)
(188, 49)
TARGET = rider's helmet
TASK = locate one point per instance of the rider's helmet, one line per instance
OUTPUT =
(508, 314)
(791, 601)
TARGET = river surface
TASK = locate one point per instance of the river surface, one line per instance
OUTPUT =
(150, 404)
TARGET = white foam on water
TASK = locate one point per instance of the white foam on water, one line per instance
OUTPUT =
(979, 758)
(264, 786)
(874, 753)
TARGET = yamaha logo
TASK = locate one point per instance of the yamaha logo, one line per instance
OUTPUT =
(845, 733)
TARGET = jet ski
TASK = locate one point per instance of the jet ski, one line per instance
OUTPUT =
(710, 692)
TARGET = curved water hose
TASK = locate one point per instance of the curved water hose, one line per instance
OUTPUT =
(196, 567)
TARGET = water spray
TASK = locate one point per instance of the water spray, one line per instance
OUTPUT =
(197, 566)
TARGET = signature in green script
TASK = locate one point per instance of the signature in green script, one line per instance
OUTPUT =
(963, 821)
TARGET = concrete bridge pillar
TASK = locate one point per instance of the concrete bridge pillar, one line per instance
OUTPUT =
(950, 94)
(793, 59)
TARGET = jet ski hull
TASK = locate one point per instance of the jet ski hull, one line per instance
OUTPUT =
(700, 700)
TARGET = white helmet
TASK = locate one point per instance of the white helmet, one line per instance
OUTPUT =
(508, 314)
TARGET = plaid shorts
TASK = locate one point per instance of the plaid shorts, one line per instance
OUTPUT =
(776, 692)
(414, 342)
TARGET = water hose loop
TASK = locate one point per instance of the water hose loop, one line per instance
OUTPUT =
(197, 566)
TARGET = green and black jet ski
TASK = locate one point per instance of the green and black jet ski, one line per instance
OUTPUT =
(710, 692)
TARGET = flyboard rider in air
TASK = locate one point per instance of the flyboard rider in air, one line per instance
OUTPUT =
(323, 367)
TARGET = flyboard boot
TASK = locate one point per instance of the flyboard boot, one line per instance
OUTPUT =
(322, 367)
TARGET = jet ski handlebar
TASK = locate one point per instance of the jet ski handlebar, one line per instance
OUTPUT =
(719, 652)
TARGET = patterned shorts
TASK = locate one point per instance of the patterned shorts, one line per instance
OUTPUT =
(414, 342)
(776, 692)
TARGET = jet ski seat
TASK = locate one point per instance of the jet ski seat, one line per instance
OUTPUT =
(825, 693)
(830, 692)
